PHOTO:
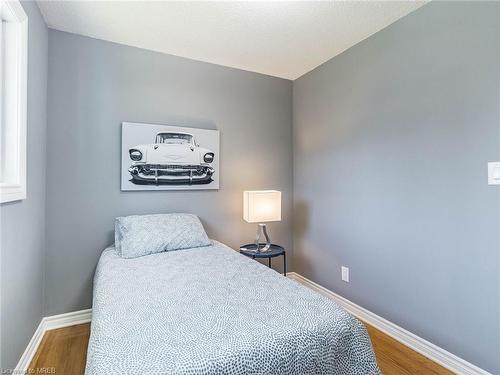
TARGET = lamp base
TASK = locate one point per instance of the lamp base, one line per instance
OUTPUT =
(262, 228)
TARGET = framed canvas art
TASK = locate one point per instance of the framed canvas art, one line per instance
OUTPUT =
(164, 157)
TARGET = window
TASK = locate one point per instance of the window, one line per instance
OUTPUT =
(174, 138)
(13, 81)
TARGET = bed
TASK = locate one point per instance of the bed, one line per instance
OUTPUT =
(210, 310)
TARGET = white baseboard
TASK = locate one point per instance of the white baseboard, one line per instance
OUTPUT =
(24, 362)
(46, 324)
(67, 319)
(424, 347)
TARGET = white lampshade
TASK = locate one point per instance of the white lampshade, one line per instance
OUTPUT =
(260, 206)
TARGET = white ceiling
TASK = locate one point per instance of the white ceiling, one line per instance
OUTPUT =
(280, 38)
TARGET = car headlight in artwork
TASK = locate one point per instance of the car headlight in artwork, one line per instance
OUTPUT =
(135, 155)
(208, 157)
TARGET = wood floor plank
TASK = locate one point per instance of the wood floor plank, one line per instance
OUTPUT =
(65, 350)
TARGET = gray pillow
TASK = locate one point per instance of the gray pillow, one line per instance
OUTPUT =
(140, 235)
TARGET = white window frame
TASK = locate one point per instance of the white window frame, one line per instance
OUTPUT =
(15, 188)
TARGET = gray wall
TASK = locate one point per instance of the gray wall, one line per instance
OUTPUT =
(93, 87)
(391, 144)
(22, 237)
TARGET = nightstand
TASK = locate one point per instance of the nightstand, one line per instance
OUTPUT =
(274, 251)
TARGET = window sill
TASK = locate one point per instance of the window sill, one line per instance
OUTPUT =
(11, 193)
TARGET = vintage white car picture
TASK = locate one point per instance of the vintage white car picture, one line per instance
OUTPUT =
(163, 157)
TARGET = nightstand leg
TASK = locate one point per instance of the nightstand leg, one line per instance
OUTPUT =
(284, 263)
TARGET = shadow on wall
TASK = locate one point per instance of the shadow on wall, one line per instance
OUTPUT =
(111, 235)
(301, 220)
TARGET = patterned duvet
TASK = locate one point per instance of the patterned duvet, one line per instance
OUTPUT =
(210, 310)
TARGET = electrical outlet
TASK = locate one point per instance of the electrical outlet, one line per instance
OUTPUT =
(494, 173)
(345, 274)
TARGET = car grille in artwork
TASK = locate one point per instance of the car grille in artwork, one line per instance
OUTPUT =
(174, 170)
(171, 174)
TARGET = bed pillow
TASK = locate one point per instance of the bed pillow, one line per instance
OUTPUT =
(140, 235)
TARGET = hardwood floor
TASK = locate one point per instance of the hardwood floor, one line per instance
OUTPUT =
(63, 351)
(396, 358)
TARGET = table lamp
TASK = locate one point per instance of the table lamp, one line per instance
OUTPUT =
(260, 206)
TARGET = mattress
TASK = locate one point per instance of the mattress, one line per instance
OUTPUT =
(210, 310)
